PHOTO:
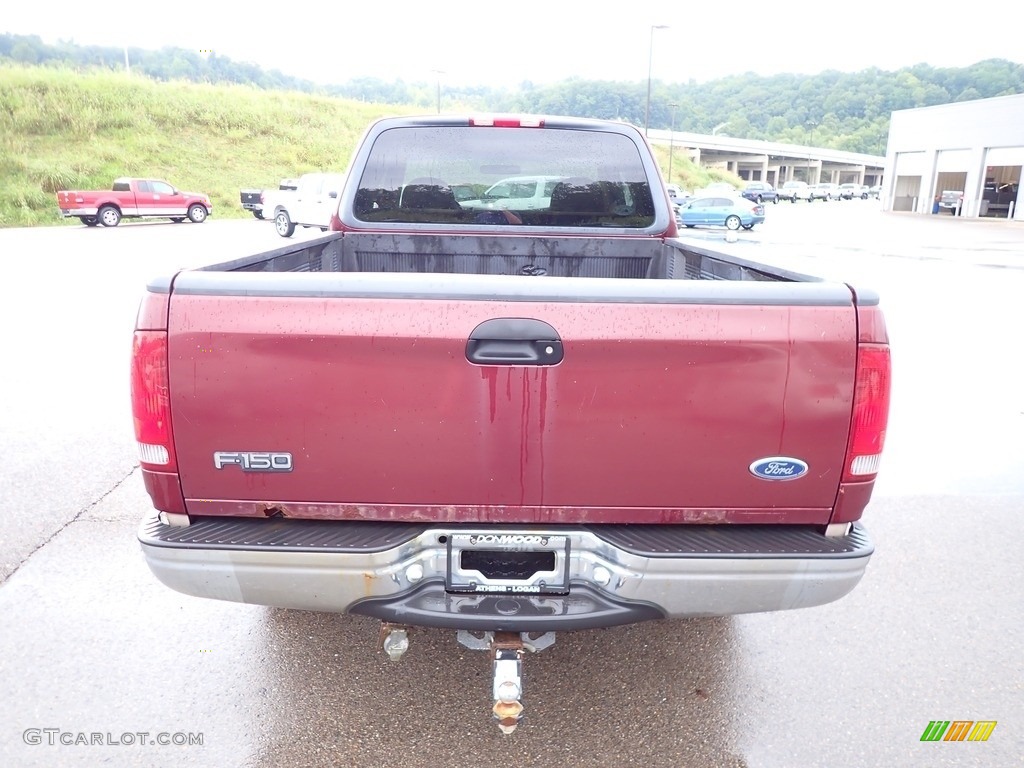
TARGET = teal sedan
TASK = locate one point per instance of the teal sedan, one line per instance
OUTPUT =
(729, 212)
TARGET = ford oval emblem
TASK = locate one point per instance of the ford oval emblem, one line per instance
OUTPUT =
(779, 468)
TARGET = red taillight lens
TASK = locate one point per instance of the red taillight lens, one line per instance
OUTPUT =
(507, 122)
(151, 405)
(870, 412)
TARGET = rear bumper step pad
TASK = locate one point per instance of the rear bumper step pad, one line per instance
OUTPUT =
(729, 541)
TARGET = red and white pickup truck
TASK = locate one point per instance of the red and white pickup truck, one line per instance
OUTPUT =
(134, 198)
(508, 422)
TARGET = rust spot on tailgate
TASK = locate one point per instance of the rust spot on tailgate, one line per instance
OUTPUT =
(705, 516)
(273, 510)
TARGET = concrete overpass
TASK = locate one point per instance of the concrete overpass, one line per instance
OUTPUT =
(771, 161)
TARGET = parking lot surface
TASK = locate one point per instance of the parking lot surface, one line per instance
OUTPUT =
(91, 643)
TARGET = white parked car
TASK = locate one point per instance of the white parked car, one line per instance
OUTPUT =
(852, 191)
(310, 205)
(824, 191)
(518, 193)
(794, 190)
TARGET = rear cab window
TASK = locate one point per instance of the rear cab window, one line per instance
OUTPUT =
(444, 176)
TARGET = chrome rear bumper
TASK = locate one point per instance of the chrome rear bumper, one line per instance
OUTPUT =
(398, 572)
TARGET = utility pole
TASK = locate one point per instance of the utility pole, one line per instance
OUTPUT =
(671, 140)
(438, 72)
(812, 125)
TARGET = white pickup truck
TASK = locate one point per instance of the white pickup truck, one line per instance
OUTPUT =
(794, 190)
(256, 201)
(309, 205)
(951, 200)
(516, 193)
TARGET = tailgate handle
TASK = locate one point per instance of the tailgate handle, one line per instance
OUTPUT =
(514, 341)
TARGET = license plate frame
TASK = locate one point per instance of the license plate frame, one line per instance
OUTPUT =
(469, 580)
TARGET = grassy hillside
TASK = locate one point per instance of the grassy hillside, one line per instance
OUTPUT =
(60, 129)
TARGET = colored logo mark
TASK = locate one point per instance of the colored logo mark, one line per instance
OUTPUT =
(778, 468)
(958, 730)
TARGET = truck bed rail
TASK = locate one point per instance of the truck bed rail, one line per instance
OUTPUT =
(509, 255)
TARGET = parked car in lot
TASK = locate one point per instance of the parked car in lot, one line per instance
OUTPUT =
(310, 205)
(256, 201)
(720, 211)
(135, 199)
(852, 191)
(824, 191)
(677, 196)
(519, 193)
(760, 192)
(950, 200)
(875, 191)
(795, 190)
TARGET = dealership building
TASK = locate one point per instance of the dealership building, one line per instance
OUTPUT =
(975, 148)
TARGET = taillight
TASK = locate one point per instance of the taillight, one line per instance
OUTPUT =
(151, 406)
(507, 122)
(870, 412)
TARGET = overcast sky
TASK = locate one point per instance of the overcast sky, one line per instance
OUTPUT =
(505, 43)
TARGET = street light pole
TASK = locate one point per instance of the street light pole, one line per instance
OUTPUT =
(438, 72)
(810, 124)
(671, 140)
(650, 67)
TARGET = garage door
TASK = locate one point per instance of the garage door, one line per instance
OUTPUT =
(1005, 156)
(910, 164)
(953, 160)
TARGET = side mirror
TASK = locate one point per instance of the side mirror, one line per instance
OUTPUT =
(332, 194)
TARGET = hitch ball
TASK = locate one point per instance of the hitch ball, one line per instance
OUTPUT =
(396, 643)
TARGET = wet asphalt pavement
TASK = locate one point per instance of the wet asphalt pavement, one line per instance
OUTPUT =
(91, 644)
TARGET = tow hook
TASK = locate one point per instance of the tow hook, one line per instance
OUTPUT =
(394, 639)
(506, 650)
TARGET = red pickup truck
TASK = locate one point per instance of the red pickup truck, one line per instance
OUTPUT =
(508, 423)
(134, 198)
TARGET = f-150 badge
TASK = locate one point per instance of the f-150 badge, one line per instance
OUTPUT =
(778, 468)
(254, 461)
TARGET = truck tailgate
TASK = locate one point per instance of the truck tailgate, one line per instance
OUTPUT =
(666, 395)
